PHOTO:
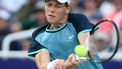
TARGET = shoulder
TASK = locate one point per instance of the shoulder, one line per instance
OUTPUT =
(76, 15)
(39, 30)
(78, 18)
(80, 22)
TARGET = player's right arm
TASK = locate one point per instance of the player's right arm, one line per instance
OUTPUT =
(41, 54)
(42, 59)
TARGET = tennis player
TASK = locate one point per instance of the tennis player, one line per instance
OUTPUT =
(53, 44)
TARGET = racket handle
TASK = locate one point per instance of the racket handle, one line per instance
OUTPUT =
(78, 58)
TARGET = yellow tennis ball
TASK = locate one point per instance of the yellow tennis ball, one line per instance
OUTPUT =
(80, 50)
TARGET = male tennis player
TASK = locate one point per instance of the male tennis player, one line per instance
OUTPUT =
(54, 43)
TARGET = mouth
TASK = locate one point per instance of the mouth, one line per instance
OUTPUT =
(51, 16)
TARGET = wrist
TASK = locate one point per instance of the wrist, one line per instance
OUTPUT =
(51, 64)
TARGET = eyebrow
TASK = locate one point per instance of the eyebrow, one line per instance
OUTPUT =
(57, 3)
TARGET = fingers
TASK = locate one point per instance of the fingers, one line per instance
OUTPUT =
(59, 64)
(71, 57)
(70, 62)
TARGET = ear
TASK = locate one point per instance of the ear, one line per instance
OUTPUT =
(67, 10)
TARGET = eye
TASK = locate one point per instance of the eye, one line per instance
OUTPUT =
(59, 6)
(49, 4)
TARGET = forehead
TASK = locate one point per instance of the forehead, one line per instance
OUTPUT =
(53, 1)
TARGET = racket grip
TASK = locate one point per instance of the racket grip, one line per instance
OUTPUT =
(78, 58)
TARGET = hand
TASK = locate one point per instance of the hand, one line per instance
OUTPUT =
(70, 63)
(59, 64)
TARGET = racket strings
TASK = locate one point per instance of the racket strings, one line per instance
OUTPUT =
(108, 49)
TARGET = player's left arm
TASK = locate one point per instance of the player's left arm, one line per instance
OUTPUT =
(70, 62)
(84, 39)
(83, 28)
(83, 36)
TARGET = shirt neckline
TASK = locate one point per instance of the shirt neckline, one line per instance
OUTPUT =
(56, 30)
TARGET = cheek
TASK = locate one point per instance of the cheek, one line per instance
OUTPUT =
(60, 14)
(46, 11)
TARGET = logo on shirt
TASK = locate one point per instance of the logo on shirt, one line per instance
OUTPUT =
(71, 37)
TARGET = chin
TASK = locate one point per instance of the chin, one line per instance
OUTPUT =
(52, 21)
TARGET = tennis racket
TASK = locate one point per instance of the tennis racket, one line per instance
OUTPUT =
(102, 43)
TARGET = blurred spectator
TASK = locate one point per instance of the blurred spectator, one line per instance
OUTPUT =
(5, 30)
(33, 20)
(19, 44)
(107, 4)
(4, 25)
(26, 10)
(12, 6)
(116, 14)
(74, 6)
(26, 44)
(16, 45)
(37, 19)
(16, 27)
(91, 10)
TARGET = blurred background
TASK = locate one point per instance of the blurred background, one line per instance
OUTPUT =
(19, 18)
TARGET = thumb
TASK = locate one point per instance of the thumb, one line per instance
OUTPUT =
(71, 57)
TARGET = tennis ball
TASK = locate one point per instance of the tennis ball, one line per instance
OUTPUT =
(80, 50)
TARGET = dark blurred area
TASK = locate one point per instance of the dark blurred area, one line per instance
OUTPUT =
(22, 15)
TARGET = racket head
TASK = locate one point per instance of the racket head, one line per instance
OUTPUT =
(104, 41)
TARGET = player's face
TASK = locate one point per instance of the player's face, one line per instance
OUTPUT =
(3, 24)
(55, 12)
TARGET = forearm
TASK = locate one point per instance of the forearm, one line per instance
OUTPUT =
(43, 66)
(83, 37)
(42, 59)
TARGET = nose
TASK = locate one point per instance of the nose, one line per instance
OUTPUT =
(52, 10)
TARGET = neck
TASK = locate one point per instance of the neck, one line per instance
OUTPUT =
(56, 26)
(59, 24)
